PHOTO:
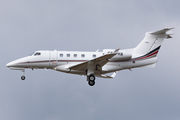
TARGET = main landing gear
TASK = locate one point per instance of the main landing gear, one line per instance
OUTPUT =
(91, 80)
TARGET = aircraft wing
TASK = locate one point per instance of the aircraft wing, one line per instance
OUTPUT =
(100, 62)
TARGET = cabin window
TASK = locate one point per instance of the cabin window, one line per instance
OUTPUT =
(61, 55)
(37, 54)
(94, 56)
(82, 55)
(75, 55)
(68, 55)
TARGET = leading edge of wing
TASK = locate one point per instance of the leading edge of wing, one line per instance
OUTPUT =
(102, 59)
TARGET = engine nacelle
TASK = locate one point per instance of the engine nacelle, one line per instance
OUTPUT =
(121, 54)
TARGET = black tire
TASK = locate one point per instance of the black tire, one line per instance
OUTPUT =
(91, 78)
(23, 77)
(91, 82)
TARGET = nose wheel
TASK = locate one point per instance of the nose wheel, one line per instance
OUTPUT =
(91, 80)
(23, 77)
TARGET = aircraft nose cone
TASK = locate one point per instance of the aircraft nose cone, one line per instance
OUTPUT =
(8, 65)
(15, 63)
(11, 64)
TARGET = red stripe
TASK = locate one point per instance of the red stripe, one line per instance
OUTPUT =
(147, 56)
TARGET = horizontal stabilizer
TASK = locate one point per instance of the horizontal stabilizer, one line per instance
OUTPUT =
(163, 31)
(117, 50)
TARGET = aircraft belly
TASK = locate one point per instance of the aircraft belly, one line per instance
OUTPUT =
(111, 67)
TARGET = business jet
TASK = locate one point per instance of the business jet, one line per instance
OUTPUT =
(96, 64)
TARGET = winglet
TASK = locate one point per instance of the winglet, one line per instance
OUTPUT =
(117, 49)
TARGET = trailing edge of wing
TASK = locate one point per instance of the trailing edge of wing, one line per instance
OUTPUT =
(102, 60)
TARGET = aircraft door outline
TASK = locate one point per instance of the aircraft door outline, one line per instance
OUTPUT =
(53, 58)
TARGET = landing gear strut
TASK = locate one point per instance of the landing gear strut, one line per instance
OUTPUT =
(23, 77)
(91, 80)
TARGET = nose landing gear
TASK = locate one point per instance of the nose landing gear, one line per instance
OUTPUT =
(23, 77)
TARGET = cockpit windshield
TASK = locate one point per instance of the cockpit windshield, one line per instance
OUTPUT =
(37, 53)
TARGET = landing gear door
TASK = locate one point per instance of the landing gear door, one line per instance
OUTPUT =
(53, 58)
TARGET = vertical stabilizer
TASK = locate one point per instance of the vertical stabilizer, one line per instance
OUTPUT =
(151, 42)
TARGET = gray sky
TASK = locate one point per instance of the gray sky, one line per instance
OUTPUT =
(143, 94)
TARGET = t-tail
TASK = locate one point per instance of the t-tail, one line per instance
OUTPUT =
(151, 44)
